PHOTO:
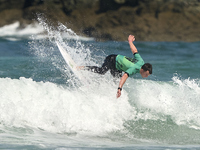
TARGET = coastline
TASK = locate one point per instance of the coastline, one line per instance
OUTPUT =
(156, 20)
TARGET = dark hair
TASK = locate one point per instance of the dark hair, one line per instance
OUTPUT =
(147, 67)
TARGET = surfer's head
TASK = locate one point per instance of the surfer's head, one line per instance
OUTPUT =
(146, 70)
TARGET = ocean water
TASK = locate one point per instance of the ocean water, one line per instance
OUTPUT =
(43, 105)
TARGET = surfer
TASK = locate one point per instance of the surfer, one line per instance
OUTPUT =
(118, 63)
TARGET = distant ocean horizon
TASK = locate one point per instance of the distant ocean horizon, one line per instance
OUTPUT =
(43, 105)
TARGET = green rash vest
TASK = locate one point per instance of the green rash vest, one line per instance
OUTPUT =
(130, 66)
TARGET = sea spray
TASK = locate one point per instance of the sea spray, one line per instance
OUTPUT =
(79, 53)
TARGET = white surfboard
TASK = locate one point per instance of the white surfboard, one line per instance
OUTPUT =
(72, 65)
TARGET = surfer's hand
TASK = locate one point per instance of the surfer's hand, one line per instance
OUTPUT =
(118, 93)
(131, 38)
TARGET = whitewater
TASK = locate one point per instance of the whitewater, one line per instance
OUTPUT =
(44, 106)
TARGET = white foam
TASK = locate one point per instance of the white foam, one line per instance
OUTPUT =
(95, 109)
(14, 32)
(25, 102)
(178, 99)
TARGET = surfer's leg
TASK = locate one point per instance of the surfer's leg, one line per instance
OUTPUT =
(116, 73)
(113, 70)
(96, 69)
(108, 64)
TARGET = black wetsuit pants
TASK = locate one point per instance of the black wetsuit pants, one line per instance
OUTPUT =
(109, 64)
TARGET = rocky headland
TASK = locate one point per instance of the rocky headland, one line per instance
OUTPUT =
(148, 20)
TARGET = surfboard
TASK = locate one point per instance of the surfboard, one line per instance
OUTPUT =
(70, 62)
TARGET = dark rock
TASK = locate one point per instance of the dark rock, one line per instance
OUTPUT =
(148, 20)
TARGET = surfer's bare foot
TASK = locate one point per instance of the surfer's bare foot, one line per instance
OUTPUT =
(80, 67)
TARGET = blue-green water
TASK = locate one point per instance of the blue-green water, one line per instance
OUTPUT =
(44, 106)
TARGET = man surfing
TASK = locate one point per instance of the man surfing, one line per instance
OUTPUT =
(119, 63)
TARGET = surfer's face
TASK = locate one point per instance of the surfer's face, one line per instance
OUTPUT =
(144, 74)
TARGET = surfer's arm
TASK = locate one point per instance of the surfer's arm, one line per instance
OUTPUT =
(131, 38)
(121, 83)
